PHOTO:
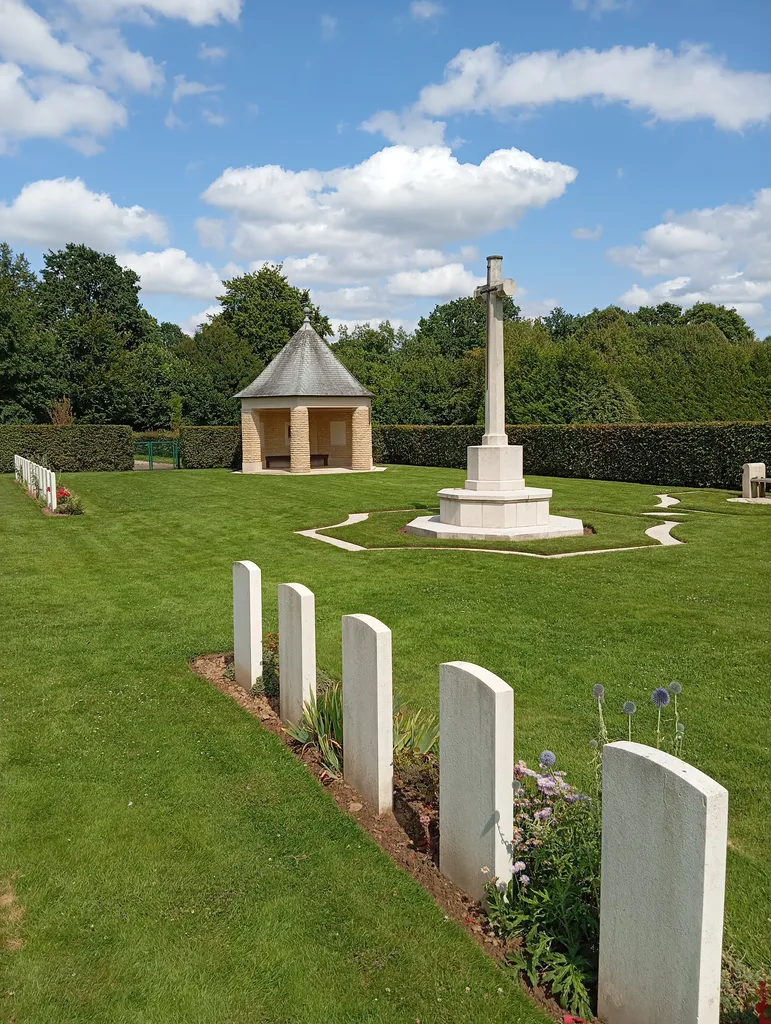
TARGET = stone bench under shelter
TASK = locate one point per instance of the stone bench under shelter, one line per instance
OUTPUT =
(754, 480)
(306, 411)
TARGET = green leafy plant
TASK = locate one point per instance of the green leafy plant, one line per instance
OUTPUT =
(415, 732)
(551, 902)
(321, 726)
(268, 684)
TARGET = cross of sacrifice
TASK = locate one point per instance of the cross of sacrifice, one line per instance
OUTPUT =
(494, 292)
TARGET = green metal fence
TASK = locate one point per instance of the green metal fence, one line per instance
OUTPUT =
(163, 452)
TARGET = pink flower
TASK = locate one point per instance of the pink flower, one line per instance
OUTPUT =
(519, 866)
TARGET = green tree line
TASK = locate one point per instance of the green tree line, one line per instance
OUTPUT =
(78, 331)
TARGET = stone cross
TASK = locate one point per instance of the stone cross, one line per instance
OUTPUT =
(495, 291)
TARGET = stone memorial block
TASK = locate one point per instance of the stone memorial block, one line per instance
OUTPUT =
(476, 776)
(247, 623)
(752, 474)
(664, 837)
(368, 727)
(297, 648)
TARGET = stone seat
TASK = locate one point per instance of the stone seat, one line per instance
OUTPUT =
(284, 461)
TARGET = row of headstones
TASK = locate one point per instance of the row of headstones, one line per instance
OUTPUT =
(36, 478)
(665, 823)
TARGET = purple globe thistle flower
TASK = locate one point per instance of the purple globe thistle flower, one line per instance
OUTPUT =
(548, 758)
(599, 692)
(630, 708)
(660, 697)
(675, 688)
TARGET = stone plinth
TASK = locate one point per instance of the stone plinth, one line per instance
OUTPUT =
(664, 837)
(495, 468)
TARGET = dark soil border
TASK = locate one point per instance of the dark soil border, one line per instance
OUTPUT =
(400, 834)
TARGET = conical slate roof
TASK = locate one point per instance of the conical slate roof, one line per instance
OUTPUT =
(305, 366)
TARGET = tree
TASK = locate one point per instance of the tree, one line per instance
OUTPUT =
(560, 324)
(666, 314)
(78, 281)
(30, 370)
(227, 359)
(733, 326)
(459, 326)
(265, 310)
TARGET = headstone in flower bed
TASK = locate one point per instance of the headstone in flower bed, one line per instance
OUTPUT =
(247, 623)
(368, 716)
(664, 838)
(297, 649)
(476, 776)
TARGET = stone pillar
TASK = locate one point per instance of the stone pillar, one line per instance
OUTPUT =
(361, 438)
(250, 441)
(247, 623)
(368, 717)
(299, 440)
(664, 837)
(296, 649)
(495, 411)
(476, 776)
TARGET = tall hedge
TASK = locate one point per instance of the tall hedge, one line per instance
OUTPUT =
(671, 454)
(210, 447)
(81, 448)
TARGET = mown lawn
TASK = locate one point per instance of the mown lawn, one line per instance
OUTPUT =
(175, 863)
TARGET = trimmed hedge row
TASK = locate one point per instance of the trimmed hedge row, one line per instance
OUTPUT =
(210, 447)
(670, 454)
(78, 449)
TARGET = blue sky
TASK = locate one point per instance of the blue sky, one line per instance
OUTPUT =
(612, 151)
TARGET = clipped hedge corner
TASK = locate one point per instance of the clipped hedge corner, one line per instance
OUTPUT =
(210, 447)
(81, 448)
(669, 454)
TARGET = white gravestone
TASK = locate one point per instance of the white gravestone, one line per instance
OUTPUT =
(247, 623)
(476, 776)
(296, 648)
(368, 724)
(664, 837)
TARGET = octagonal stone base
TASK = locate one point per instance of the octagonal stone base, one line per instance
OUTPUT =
(495, 515)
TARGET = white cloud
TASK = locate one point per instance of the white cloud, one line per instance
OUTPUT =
(400, 226)
(173, 272)
(197, 12)
(720, 254)
(27, 38)
(598, 7)
(671, 86)
(425, 10)
(443, 282)
(120, 65)
(328, 27)
(48, 108)
(54, 212)
(183, 88)
(172, 120)
(213, 118)
(588, 234)
(191, 325)
(211, 52)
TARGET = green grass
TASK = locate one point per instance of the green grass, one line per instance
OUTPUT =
(614, 530)
(175, 862)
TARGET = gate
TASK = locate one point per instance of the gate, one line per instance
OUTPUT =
(159, 454)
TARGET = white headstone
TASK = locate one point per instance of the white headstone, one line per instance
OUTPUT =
(296, 648)
(247, 623)
(368, 725)
(476, 776)
(53, 502)
(664, 837)
(753, 471)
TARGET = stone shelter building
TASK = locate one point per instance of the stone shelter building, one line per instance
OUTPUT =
(306, 412)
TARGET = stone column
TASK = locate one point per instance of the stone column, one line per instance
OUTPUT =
(361, 438)
(664, 838)
(251, 459)
(299, 440)
(495, 412)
